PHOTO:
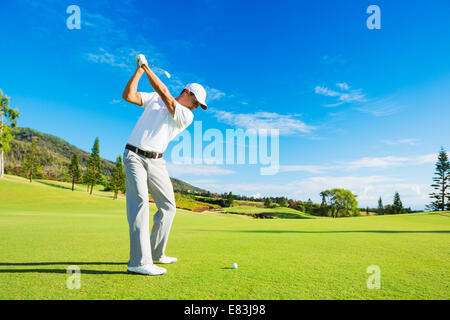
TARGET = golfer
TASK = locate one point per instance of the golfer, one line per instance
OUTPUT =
(145, 168)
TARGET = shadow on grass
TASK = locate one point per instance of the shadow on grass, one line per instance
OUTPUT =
(18, 264)
(64, 270)
(286, 215)
(331, 231)
(47, 183)
(54, 184)
(60, 271)
(57, 263)
(271, 215)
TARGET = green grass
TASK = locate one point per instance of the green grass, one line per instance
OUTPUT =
(44, 229)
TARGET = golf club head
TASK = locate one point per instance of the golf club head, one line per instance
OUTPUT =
(168, 75)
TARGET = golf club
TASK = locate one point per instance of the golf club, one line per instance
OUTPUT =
(142, 60)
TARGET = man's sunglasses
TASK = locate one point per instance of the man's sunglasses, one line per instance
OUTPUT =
(196, 101)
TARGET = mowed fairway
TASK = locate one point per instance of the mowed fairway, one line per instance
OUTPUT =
(44, 229)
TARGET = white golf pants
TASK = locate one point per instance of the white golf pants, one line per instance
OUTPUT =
(144, 175)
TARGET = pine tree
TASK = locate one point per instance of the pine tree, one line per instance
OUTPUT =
(31, 164)
(74, 169)
(7, 114)
(118, 178)
(94, 166)
(380, 208)
(442, 180)
(229, 200)
(267, 203)
(324, 201)
(397, 205)
(86, 177)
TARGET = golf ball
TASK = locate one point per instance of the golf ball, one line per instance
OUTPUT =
(234, 265)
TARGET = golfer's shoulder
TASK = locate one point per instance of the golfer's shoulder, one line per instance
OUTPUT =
(183, 114)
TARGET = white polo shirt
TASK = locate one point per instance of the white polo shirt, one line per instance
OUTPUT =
(156, 127)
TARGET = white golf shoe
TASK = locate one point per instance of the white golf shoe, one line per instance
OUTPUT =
(149, 270)
(166, 260)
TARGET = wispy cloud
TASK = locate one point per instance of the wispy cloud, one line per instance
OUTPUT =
(363, 163)
(113, 59)
(326, 92)
(387, 162)
(114, 101)
(345, 96)
(380, 107)
(337, 59)
(286, 124)
(180, 170)
(213, 94)
(305, 168)
(343, 86)
(411, 142)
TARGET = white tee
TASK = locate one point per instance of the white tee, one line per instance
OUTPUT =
(156, 127)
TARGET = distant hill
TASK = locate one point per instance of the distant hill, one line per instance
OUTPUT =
(55, 154)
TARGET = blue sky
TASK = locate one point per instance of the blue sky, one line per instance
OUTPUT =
(366, 110)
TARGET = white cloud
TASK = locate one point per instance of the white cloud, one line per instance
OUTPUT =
(387, 162)
(343, 86)
(377, 107)
(363, 163)
(326, 92)
(304, 168)
(380, 107)
(105, 57)
(178, 170)
(411, 142)
(213, 94)
(355, 95)
(286, 124)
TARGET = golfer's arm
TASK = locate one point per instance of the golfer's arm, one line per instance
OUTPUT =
(130, 93)
(161, 89)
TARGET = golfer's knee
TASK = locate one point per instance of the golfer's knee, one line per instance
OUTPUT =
(171, 209)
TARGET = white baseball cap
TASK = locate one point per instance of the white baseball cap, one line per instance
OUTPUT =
(199, 92)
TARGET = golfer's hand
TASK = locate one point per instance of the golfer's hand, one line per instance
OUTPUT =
(141, 58)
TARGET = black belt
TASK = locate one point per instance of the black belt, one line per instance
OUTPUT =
(148, 154)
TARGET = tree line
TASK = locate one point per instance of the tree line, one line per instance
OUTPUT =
(93, 174)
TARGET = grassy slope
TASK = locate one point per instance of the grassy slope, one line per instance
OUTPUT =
(44, 229)
(277, 212)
